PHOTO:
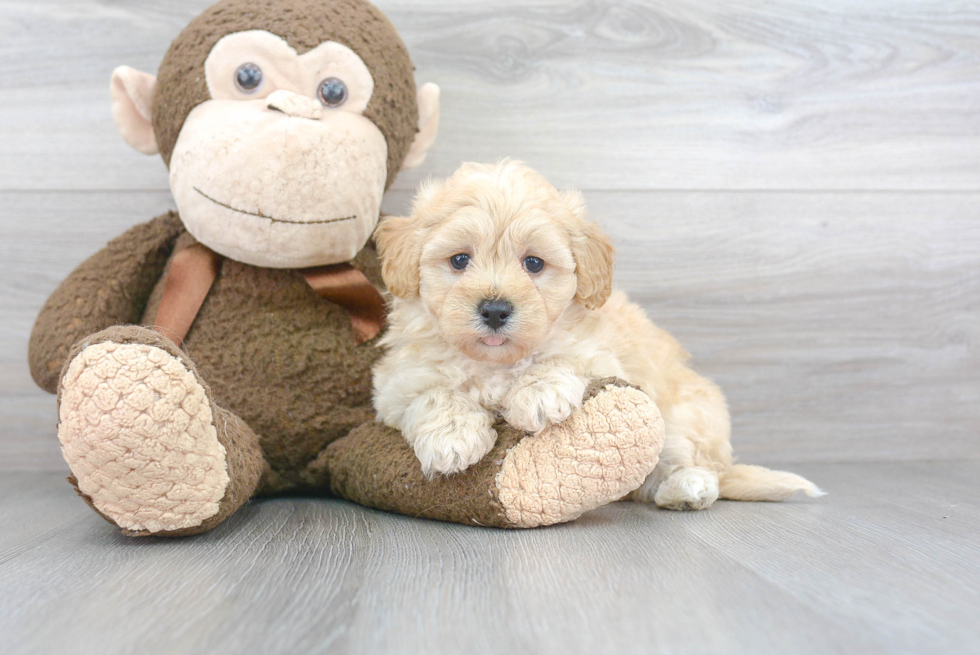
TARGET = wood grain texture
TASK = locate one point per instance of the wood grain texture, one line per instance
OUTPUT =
(875, 567)
(714, 94)
(794, 190)
(841, 326)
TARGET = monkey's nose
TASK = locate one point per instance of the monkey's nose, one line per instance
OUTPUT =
(293, 104)
(495, 312)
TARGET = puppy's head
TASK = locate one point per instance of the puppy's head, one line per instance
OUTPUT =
(496, 255)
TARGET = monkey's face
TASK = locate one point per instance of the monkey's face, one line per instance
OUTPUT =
(280, 168)
(276, 158)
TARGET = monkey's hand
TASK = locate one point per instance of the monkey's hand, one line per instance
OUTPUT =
(543, 396)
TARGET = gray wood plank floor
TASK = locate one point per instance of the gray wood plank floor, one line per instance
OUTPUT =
(886, 563)
(794, 189)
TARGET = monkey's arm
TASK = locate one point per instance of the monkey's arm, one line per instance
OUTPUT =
(598, 455)
(109, 288)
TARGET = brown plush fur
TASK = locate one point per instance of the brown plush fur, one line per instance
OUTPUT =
(399, 486)
(273, 352)
(282, 359)
(304, 24)
(109, 288)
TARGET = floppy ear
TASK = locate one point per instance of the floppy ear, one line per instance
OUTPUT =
(400, 247)
(132, 102)
(594, 258)
(593, 252)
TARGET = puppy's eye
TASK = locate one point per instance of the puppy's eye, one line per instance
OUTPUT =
(533, 264)
(460, 261)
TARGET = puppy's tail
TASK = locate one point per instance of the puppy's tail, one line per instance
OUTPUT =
(747, 482)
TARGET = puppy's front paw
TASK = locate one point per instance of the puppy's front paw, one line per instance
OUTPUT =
(536, 406)
(451, 444)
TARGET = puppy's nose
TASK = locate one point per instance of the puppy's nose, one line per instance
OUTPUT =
(495, 312)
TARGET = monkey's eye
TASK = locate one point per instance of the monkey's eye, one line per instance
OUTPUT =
(533, 264)
(332, 92)
(248, 78)
(460, 261)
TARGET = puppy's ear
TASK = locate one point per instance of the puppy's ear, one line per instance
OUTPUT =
(594, 259)
(573, 200)
(593, 252)
(400, 247)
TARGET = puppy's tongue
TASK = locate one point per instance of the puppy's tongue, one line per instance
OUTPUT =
(493, 340)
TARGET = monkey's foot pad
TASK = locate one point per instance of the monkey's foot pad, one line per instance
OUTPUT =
(136, 429)
(598, 455)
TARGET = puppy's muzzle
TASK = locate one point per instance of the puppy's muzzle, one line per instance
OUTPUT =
(495, 312)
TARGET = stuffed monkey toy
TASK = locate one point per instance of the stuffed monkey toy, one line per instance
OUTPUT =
(224, 351)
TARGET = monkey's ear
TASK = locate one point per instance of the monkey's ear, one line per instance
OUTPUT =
(428, 102)
(400, 247)
(132, 103)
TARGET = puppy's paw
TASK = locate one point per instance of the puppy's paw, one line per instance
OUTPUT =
(450, 444)
(536, 406)
(686, 489)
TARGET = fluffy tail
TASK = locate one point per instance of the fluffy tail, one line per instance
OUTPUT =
(747, 482)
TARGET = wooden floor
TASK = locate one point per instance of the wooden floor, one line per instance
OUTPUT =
(886, 563)
(794, 190)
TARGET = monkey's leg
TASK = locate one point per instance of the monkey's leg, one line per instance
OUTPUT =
(600, 454)
(148, 448)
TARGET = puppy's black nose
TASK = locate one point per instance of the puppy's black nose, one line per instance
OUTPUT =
(495, 312)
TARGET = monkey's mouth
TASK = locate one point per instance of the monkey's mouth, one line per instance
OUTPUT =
(257, 214)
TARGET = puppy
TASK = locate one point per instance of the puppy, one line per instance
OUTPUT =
(503, 305)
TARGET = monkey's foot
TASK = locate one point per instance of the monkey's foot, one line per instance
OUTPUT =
(601, 453)
(138, 430)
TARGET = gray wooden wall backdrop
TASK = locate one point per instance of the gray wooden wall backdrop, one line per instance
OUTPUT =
(794, 187)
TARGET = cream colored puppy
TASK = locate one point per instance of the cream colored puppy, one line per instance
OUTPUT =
(503, 306)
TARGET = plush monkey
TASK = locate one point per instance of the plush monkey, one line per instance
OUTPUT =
(282, 123)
